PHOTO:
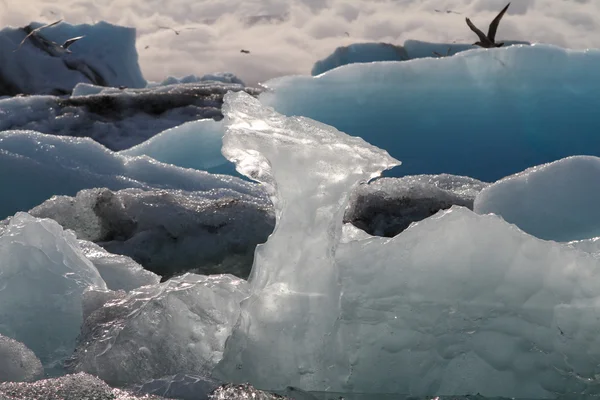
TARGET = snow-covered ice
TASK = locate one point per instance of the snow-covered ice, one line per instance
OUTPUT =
(556, 201)
(107, 49)
(17, 362)
(54, 165)
(43, 274)
(169, 231)
(179, 326)
(387, 206)
(485, 113)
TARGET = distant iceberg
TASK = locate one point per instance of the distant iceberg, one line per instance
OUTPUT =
(106, 50)
(375, 52)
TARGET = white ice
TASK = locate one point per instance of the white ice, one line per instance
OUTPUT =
(458, 303)
(556, 201)
(118, 272)
(179, 326)
(43, 274)
(282, 336)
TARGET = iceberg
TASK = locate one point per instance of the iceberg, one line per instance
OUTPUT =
(457, 303)
(283, 335)
(179, 326)
(485, 113)
(168, 231)
(376, 52)
(106, 55)
(43, 275)
(556, 201)
(17, 362)
(56, 165)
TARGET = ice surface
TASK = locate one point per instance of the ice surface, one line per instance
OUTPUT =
(63, 165)
(557, 201)
(457, 303)
(181, 386)
(43, 274)
(108, 49)
(225, 77)
(71, 387)
(282, 336)
(117, 118)
(373, 52)
(169, 231)
(387, 206)
(179, 326)
(485, 113)
(195, 144)
(17, 362)
(118, 272)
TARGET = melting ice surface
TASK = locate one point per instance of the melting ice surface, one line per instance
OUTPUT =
(483, 113)
(457, 303)
(556, 201)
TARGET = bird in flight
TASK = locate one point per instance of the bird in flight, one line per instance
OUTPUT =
(488, 41)
(177, 32)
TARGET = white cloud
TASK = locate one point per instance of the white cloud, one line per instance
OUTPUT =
(312, 30)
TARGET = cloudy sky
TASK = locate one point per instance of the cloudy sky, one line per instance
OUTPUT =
(212, 32)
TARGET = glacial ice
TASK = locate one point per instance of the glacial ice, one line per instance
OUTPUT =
(377, 52)
(195, 144)
(169, 231)
(387, 206)
(309, 169)
(179, 326)
(457, 303)
(17, 362)
(118, 272)
(119, 118)
(43, 274)
(485, 113)
(556, 201)
(55, 165)
(107, 48)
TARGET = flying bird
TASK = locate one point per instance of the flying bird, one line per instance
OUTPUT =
(36, 30)
(245, 51)
(69, 42)
(489, 40)
(177, 32)
(447, 11)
